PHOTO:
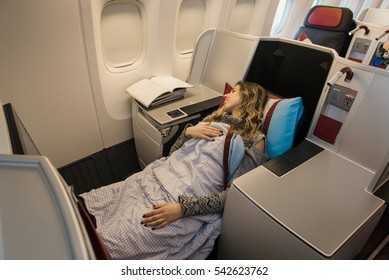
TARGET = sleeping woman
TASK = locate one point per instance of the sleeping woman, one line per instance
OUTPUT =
(172, 209)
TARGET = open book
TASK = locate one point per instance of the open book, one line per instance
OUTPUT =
(157, 90)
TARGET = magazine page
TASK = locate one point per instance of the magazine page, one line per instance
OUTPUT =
(170, 83)
(146, 91)
(157, 90)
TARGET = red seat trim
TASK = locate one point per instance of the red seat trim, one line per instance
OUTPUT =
(268, 116)
(328, 17)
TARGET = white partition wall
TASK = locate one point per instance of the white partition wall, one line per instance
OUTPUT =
(221, 57)
(45, 76)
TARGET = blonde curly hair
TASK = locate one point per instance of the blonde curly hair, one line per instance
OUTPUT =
(249, 111)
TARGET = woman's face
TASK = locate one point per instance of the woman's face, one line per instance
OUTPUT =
(232, 99)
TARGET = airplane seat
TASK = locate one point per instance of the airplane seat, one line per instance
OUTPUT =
(99, 248)
(328, 26)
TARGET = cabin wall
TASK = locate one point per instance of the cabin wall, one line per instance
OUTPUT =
(54, 75)
(45, 76)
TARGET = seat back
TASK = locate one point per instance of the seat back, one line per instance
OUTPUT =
(328, 26)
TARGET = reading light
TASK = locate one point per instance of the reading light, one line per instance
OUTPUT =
(349, 76)
(382, 35)
(364, 27)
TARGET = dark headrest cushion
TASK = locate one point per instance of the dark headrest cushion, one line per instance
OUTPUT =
(329, 18)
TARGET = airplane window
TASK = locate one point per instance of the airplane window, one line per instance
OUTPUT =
(318, 2)
(281, 16)
(366, 4)
(242, 9)
(344, 3)
(354, 6)
(122, 34)
(190, 23)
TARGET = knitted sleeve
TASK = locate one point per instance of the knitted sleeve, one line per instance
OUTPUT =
(192, 206)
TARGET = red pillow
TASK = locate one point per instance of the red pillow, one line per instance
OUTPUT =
(304, 38)
(326, 16)
(227, 89)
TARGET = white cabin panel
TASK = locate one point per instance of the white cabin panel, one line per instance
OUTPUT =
(377, 16)
(258, 15)
(242, 9)
(44, 75)
(228, 59)
(192, 18)
(367, 138)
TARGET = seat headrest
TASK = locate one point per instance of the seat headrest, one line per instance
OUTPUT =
(329, 18)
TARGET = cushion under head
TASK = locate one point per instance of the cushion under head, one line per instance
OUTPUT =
(280, 124)
(337, 19)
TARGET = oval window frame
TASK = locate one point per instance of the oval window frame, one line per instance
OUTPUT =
(138, 59)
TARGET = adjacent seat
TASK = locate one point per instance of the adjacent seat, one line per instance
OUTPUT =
(328, 26)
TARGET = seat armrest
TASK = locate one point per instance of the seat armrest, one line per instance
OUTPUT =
(291, 159)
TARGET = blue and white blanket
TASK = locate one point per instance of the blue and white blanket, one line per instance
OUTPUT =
(196, 169)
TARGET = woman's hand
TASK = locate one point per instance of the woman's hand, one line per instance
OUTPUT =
(203, 131)
(162, 215)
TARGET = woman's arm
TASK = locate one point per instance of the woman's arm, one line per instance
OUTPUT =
(201, 130)
(204, 205)
(166, 213)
